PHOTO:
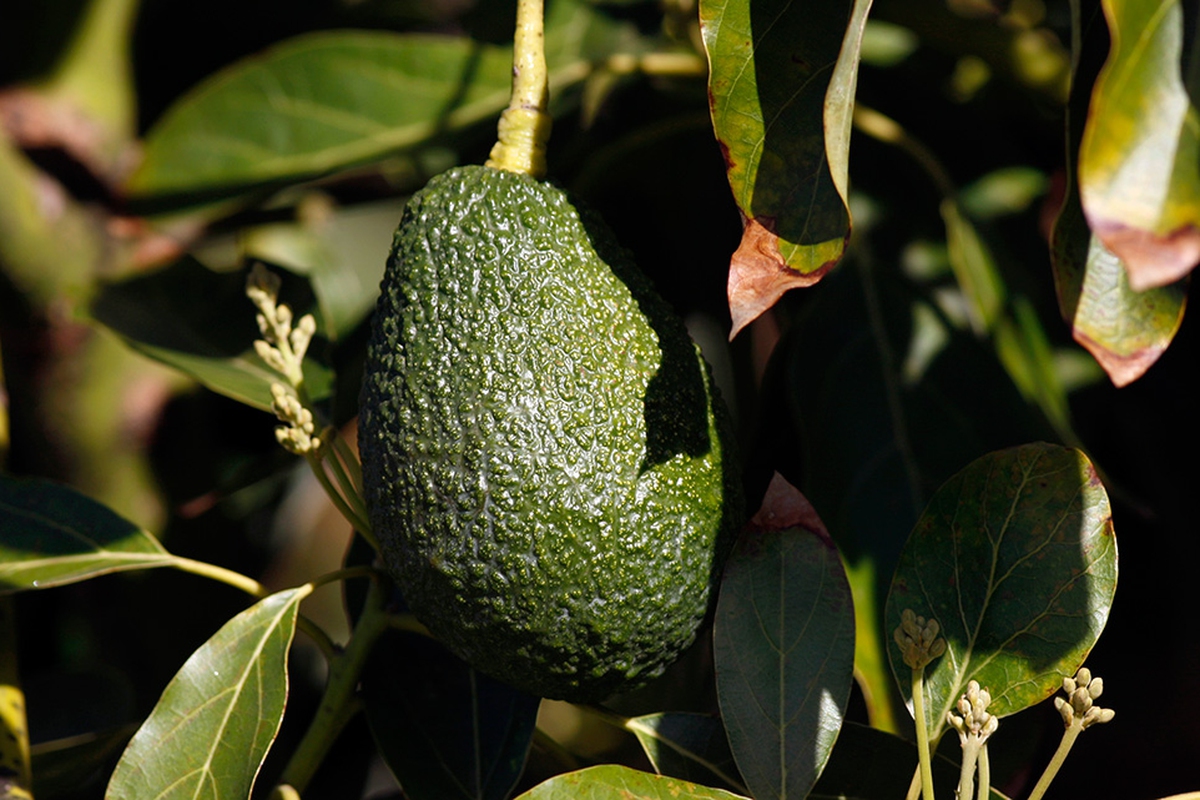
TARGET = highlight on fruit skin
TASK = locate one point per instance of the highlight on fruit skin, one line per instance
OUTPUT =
(547, 464)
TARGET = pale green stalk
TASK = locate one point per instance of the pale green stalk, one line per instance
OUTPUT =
(919, 644)
(1079, 712)
(985, 774)
(1060, 755)
(923, 754)
(524, 127)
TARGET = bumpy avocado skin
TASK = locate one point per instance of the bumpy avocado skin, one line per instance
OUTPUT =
(546, 463)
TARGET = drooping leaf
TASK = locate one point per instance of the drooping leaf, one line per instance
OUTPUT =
(883, 402)
(608, 781)
(692, 747)
(51, 535)
(201, 323)
(1139, 161)
(1125, 331)
(446, 731)
(782, 78)
(783, 646)
(1016, 559)
(211, 729)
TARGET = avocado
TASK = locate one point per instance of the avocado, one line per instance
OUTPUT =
(547, 465)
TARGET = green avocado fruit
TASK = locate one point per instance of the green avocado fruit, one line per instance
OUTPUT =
(547, 465)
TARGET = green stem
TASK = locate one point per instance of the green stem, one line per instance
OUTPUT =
(339, 704)
(966, 776)
(351, 490)
(524, 126)
(315, 461)
(349, 462)
(227, 576)
(923, 755)
(985, 774)
(1060, 755)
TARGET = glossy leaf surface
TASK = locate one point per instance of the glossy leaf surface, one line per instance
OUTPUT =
(201, 323)
(783, 646)
(611, 780)
(692, 747)
(51, 535)
(446, 731)
(211, 729)
(1139, 162)
(1016, 559)
(782, 80)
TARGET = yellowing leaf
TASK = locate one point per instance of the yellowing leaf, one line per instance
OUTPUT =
(1139, 162)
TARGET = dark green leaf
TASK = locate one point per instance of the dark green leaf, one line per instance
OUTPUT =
(51, 535)
(613, 781)
(692, 747)
(1140, 155)
(445, 730)
(1015, 558)
(783, 647)
(211, 729)
(201, 323)
(782, 81)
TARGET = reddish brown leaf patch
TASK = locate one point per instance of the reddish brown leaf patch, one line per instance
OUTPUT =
(759, 274)
(1151, 260)
(784, 507)
(1122, 368)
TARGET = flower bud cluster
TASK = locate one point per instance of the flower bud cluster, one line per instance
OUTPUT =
(973, 719)
(297, 435)
(1082, 691)
(283, 344)
(918, 639)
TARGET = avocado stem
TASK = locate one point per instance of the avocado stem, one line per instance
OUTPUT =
(524, 126)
